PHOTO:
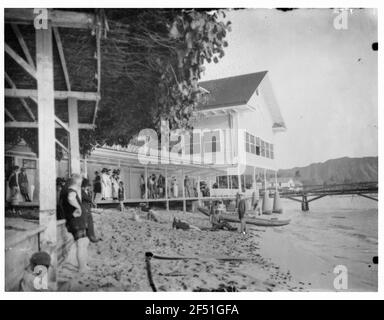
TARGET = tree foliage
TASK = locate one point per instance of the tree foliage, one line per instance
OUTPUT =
(160, 56)
(152, 60)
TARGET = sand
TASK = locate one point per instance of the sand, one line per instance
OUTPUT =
(118, 261)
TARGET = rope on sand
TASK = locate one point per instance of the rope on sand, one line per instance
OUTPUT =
(154, 256)
(148, 256)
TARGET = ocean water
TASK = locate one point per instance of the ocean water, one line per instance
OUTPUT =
(338, 230)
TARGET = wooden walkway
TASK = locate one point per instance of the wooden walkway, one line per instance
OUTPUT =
(312, 193)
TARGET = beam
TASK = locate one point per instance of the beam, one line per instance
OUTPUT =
(368, 197)
(23, 102)
(9, 114)
(47, 147)
(57, 18)
(62, 57)
(59, 95)
(23, 45)
(294, 199)
(62, 146)
(98, 49)
(318, 197)
(20, 61)
(62, 124)
(74, 145)
(183, 190)
(166, 189)
(25, 124)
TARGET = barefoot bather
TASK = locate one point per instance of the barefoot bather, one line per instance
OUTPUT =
(77, 219)
(218, 222)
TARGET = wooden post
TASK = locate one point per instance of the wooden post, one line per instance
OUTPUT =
(166, 188)
(183, 189)
(130, 183)
(47, 153)
(74, 146)
(265, 180)
(146, 182)
(276, 181)
(85, 168)
(198, 187)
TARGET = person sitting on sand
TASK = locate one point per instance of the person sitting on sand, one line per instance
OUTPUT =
(242, 207)
(135, 216)
(218, 222)
(151, 214)
(76, 219)
(178, 224)
(35, 277)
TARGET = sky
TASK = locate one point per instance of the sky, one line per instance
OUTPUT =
(324, 79)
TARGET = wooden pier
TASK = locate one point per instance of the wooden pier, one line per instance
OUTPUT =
(315, 192)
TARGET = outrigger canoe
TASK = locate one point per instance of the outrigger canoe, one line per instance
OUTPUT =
(273, 222)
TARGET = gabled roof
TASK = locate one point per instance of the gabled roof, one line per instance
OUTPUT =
(232, 91)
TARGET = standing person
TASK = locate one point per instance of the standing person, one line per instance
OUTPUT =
(86, 196)
(76, 219)
(24, 185)
(97, 187)
(175, 188)
(154, 186)
(241, 211)
(187, 187)
(13, 184)
(106, 185)
(108, 191)
(60, 186)
(160, 186)
(142, 186)
(115, 184)
(256, 200)
(103, 180)
(150, 182)
(121, 196)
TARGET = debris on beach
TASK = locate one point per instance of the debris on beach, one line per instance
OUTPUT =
(118, 262)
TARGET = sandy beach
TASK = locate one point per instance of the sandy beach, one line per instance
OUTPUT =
(118, 262)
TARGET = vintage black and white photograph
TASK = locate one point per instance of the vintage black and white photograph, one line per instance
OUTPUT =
(190, 149)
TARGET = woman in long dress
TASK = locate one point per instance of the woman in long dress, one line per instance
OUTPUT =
(115, 180)
(13, 184)
(106, 185)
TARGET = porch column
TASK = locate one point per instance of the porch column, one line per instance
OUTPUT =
(198, 187)
(166, 188)
(74, 146)
(254, 178)
(183, 189)
(265, 180)
(146, 182)
(130, 182)
(276, 180)
(85, 168)
(47, 151)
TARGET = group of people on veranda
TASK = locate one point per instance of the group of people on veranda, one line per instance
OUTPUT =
(18, 185)
(108, 185)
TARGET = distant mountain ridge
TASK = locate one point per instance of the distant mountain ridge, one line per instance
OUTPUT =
(335, 171)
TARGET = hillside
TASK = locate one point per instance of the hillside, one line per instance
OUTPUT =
(336, 171)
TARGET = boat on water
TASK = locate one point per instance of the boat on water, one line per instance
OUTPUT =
(272, 222)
